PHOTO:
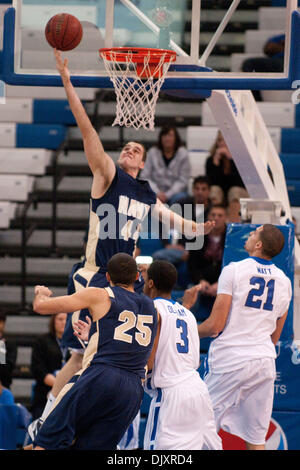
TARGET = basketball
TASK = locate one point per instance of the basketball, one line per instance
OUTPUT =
(63, 32)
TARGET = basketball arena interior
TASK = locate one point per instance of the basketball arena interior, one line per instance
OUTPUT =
(45, 184)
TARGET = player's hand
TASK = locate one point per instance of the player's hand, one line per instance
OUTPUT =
(82, 329)
(62, 65)
(42, 290)
(190, 296)
(204, 229)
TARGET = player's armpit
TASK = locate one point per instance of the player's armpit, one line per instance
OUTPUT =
(216, 322)
(279, 326)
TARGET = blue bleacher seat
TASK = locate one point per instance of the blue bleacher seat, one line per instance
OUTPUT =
(290, 140)
(47, 136)
(291, 164)
(52, 111)
(293, 187)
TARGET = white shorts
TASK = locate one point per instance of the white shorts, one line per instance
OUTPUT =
(181, 418)
(243, 399)
(130, 440)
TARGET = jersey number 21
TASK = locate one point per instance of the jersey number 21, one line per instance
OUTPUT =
(254, 297)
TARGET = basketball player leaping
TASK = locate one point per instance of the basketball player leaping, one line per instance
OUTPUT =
(115, 186)
(250, 310)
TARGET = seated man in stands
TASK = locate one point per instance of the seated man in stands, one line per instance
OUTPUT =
(197, 205)
(272, 62)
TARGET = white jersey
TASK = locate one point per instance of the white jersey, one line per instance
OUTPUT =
(261, 293)
(178, 351)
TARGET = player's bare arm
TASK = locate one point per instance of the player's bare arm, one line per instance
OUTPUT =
(92, 298)
(216, 322)
(151, 359)
(279, 325)
(187, 227)
(101, 165)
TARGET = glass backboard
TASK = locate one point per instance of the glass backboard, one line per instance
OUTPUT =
(196, 33)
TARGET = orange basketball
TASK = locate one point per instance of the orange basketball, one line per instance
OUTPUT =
(63, 32)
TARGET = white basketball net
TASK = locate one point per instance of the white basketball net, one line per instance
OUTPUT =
(136, 97)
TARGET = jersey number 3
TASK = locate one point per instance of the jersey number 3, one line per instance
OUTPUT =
(259, 291)
(182, 347)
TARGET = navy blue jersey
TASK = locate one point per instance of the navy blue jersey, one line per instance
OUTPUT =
(115, 219)
(124, 336)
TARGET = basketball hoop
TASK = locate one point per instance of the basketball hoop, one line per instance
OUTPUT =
(137, 75)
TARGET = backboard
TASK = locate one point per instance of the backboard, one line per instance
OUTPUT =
(169, 24)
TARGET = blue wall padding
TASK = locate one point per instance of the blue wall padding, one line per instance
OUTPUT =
(293, 187)
(52, 112)
(40, 135)
(236, 237)
(297, 113)
(280, 3)
(287, 384)
(291, 165)
(290, 140)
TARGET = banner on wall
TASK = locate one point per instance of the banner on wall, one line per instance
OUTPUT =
(287, 384)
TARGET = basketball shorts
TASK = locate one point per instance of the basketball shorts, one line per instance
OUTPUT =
(243, 399)
(130, 440)
(94, 412)
(182, 418)
(86, 278)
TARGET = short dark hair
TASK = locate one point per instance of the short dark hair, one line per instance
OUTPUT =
(272, 240)
(218, 206)
(2, 317)
(163, 275)
(201, 179)
(122, 269)
(165, 130)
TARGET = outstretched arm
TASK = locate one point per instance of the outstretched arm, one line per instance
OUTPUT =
(189, 228)
(101, 165)
(92, 298)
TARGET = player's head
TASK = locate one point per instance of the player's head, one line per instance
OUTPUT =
(122, 270)
(266, 241)
(161, 278)
(132, 157)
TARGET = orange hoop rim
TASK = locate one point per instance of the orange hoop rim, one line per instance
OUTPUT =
(137, 54)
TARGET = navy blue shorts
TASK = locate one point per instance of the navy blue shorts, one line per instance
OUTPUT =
(95, 412)
(84, 278)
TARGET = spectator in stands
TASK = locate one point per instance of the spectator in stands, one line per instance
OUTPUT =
(48, 357)
(198, 206)
(227, 184)
(272, 62)
(205, 265)
(167, 168)
(6, 369)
